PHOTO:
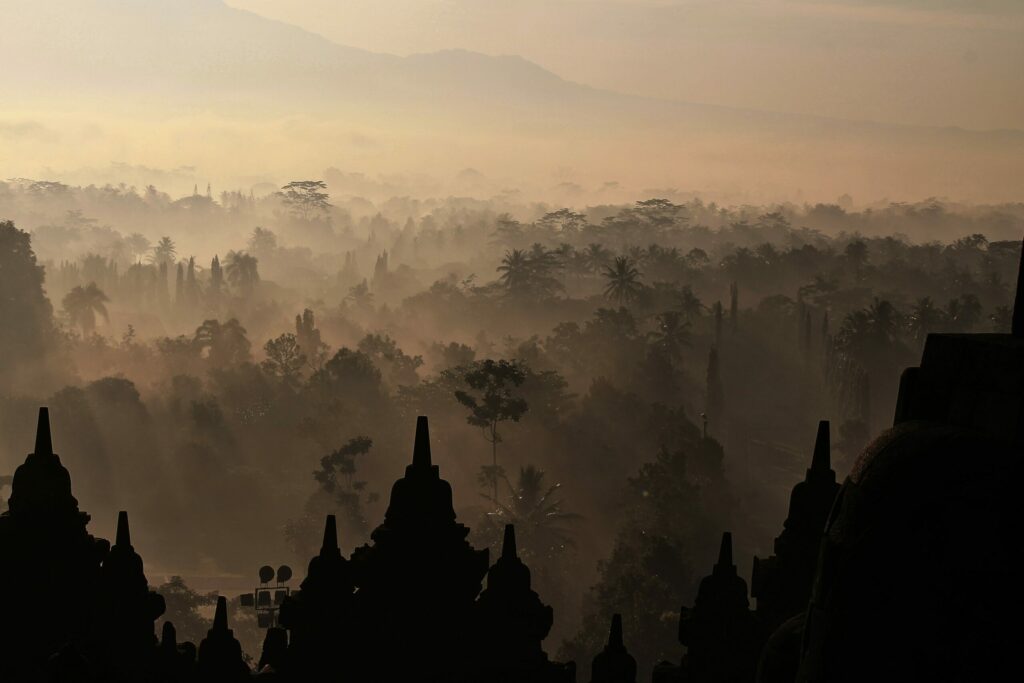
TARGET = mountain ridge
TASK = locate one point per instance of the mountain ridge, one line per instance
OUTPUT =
(196, 82)
(237, 50)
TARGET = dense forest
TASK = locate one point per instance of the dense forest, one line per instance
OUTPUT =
(622, 382)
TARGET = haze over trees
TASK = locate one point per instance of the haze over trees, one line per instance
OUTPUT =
(589, 371)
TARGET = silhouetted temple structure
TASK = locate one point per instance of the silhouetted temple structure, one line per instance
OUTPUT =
(720, 632)
(723, 636)
(418, 581)
(316, 614)
(128, 608)
(409, 606)
(220, 654)
(55, 585)
(782, 583)
(614, 664)
(510, 624)
(919, 569)
(177, 663)
(917, 577)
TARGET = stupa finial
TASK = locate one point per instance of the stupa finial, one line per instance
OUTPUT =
(44, 443)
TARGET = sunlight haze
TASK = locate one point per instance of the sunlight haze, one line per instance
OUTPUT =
(751, 100)
(943, 63)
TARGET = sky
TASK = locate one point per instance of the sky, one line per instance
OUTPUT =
(176, 93)
(919, 62)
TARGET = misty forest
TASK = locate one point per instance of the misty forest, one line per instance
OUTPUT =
(548, 341)
(620, 382)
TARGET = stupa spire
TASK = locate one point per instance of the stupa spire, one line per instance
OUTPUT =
(421, 449)
(330, 544)
(44, 444)
(220, 617)
(725, 552)
(615, 633)
(124, 537)
(822, 459)
(508, 546)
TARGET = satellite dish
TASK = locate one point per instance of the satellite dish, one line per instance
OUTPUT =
(266, 573)
(284, 573)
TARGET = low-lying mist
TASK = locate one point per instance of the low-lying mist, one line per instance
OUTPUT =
(231, 366)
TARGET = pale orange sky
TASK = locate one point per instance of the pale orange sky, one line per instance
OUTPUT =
(931, 62)
(184, 92)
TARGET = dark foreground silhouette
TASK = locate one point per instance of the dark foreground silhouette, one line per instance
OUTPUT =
(906, 572)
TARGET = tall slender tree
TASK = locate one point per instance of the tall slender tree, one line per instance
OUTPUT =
(179, 286)
(671, 334)
(715, 394)
(191, 285)
(216, 289)
(490, 395)
(734, 306)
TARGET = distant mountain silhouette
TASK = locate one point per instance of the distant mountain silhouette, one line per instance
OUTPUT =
(206, 47)
(204, 56)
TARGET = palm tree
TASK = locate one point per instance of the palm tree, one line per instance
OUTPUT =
(542, 258)
(515, 271)
(578, 265)
(537, 514)
(925, 318)
(164, 251)
(83, 303)
(242, 272)
(597, 257)
(624, 284)
(869, 335)
(638, 254)
(964, 313)
(672, 334)
(884, 320)
(690, 305)
(543, 267)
